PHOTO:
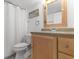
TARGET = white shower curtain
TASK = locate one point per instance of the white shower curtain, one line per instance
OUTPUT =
(15, 26)
(9, 28)
(21, 23)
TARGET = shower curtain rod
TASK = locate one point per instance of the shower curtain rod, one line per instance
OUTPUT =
(14, 4)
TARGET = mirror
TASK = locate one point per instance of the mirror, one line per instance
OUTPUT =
(56, 13)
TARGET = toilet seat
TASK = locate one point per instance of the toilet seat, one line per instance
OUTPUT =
(20, 46)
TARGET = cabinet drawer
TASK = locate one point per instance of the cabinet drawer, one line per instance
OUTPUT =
(66, 45)
(64, 56)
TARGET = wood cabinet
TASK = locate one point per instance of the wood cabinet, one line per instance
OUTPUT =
(66, 45)
(64, 56)
(52, 46)
(44, 47)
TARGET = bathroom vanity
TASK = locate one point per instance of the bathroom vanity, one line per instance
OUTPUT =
(52, 45)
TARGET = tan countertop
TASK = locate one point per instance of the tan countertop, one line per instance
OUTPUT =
(53, 33)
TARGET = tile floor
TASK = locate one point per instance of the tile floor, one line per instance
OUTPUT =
(13, 57)
(29, 57)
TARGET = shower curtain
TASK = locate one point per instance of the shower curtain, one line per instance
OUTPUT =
(15, 24)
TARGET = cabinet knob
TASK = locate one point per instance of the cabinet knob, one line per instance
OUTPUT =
(66, 46)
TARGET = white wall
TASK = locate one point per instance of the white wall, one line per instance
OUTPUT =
(31, 22)
(70, 13)
(33, 27)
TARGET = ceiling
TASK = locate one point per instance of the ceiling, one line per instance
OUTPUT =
(24, 3)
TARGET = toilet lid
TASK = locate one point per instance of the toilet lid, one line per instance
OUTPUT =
(19, 45)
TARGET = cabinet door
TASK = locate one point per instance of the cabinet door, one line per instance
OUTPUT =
(64, 56)
(44, 47)
(66, 45)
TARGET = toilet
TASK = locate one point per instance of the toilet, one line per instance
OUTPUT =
(21, 49)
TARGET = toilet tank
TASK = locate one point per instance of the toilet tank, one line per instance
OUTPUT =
(26, 39)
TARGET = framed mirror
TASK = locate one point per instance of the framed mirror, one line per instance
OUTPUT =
(55, 13)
